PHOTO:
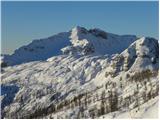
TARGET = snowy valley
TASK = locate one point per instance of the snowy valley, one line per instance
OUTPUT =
(82, 74)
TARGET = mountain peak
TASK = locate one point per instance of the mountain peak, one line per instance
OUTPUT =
(79, 41)
(78, 28)
(72, 77)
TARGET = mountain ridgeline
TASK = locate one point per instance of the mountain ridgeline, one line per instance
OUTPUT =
(82, 74)
(78, 41)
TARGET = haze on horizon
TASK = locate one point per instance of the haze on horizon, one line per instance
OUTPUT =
(24, 21)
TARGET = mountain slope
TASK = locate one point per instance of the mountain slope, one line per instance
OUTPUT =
(140, 55)
(38, 49)
(78, 41)
(86, 81)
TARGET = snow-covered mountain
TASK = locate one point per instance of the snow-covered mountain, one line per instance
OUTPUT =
(82, 74)
(79, 41)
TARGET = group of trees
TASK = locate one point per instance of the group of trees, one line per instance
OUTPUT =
(141, 76)
(3, 64)
(107, 101)
(146, 88)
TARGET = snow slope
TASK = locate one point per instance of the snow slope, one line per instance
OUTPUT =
(38, 49)
(78, 41)
(93, 77)
(149, 110)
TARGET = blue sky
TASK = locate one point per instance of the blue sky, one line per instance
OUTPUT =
(24, 21)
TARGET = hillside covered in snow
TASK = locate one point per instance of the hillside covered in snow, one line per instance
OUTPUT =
(79, 41)
(82, 74)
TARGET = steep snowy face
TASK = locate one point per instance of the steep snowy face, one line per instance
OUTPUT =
(140, 55)
(34, 85)
(96, 41)
(143, 54)
(79, 41)
(39, 49)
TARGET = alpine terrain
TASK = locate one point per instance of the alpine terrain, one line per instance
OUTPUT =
(82, 74)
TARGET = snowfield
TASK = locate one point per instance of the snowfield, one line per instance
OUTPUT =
(82, 74)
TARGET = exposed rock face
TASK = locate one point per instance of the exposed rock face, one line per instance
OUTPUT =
(98, 33)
